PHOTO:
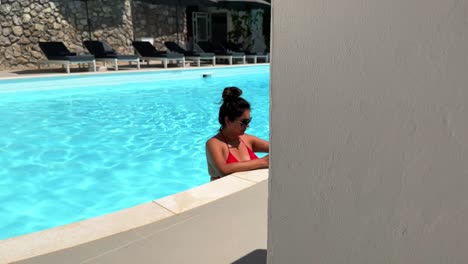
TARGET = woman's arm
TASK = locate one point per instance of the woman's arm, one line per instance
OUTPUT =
(259, 145)
(214, 152)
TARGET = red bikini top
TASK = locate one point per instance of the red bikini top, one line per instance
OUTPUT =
(232, 159)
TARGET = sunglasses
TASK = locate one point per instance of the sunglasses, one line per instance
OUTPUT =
(245, 122)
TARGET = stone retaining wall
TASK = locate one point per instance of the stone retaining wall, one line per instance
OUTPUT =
(23, 23)
(160, 23)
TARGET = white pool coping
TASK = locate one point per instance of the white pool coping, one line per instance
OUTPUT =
(66, 236)
(11, 75)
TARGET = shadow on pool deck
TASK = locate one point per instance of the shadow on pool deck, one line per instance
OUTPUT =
(229, 230)
(258, 256)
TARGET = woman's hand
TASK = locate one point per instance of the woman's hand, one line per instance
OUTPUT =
(265, 161)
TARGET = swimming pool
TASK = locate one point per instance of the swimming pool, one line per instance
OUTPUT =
(73, 148)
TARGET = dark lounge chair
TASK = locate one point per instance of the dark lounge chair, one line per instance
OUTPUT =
(103, 52)
(148, 52)
(220, 52)
(57, 53)
(191, 55)
(248, 54)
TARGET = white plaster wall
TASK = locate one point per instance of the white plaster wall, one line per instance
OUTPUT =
(369, 132)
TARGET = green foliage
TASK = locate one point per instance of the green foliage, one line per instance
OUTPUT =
(241, 32)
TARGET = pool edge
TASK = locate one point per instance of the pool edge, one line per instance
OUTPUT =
(74, 234)
(128, 71)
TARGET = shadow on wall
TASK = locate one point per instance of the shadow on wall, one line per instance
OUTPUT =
(258, 256)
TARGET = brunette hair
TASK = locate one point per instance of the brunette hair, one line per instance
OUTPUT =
(233, 105)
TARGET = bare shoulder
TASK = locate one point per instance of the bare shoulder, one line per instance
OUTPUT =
(214, 141)
(214, 148)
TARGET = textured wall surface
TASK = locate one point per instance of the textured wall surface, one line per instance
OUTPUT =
(369, 132)
(23, 23)
(159, 22)
(26, 22)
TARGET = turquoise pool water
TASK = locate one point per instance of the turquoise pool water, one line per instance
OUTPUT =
(72, 148)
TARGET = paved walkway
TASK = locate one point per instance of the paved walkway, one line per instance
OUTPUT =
(57, 71)
(230, 230)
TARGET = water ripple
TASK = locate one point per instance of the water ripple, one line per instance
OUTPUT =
(76, 153)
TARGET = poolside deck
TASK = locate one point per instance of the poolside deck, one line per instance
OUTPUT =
(232, 229)
(57, 71)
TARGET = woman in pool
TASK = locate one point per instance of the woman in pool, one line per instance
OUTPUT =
(231, 150)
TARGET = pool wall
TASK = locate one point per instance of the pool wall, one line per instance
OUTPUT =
(66, 236)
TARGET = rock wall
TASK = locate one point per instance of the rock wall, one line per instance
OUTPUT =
(159, 22)
(23, 23)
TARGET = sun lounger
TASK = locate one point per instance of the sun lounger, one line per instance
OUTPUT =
(220, 52)
(148, 52)
(254, 56)
(191, 55)
(103, 52)
(57, 53)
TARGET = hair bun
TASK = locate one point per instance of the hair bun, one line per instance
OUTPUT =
(230, 93)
